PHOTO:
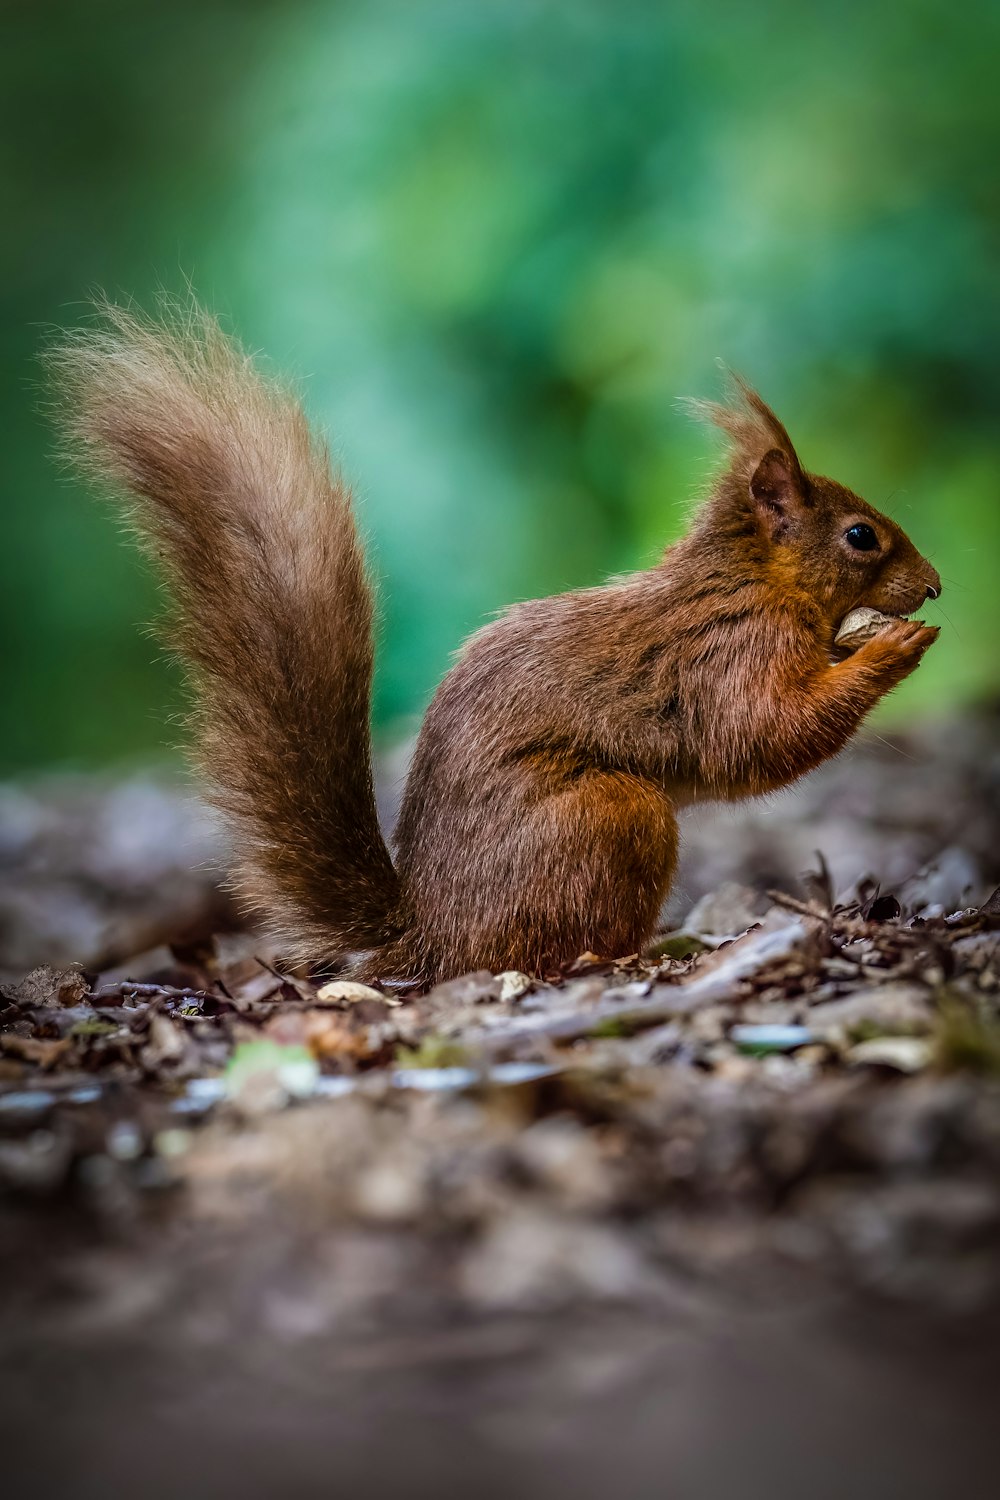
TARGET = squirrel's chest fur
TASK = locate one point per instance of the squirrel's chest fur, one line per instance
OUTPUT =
(556, 752)
(636, 679)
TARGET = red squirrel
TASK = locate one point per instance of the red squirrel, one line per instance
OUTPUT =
(539, 819)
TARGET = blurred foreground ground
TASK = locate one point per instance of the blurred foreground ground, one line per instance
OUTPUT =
(720, 1220)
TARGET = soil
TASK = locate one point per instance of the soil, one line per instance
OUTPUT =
(721, 1218)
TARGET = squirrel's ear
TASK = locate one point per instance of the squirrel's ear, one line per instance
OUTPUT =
(777, 490)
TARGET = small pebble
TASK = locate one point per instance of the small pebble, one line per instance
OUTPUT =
(124, 1141)
(173, 1142)
(87, 1093)
(770, 1038)
(514, 984)
(26, 1102)
(907, 1054)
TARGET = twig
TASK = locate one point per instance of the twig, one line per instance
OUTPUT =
(804, 908)
(124, 987)
(304, 991)
(666, 1001)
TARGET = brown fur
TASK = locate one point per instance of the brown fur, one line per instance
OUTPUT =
(539, 815)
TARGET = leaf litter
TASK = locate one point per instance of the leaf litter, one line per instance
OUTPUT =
(782, 1060)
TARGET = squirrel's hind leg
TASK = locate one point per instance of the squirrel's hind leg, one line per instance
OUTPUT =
(584, 869)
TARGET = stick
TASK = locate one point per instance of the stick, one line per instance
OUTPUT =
(666, 1001)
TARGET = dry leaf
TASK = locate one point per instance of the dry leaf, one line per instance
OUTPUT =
(336, 991)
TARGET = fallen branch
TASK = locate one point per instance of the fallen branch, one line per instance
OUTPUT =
(627, 1008)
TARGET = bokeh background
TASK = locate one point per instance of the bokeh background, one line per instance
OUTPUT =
(496, 239)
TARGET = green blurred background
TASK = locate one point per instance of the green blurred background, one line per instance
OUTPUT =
(496, 239)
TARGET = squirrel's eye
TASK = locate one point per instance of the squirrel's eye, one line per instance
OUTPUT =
(861, 537)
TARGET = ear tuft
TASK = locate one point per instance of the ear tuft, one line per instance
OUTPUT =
(749, 423)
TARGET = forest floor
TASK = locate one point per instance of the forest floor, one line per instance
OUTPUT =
(723, 1218)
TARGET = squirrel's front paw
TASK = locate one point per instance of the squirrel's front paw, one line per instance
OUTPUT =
(898, 647)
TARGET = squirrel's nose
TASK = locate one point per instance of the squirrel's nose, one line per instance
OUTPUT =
(934, 587)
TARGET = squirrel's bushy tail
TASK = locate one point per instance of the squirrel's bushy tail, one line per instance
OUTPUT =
(233, 496)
